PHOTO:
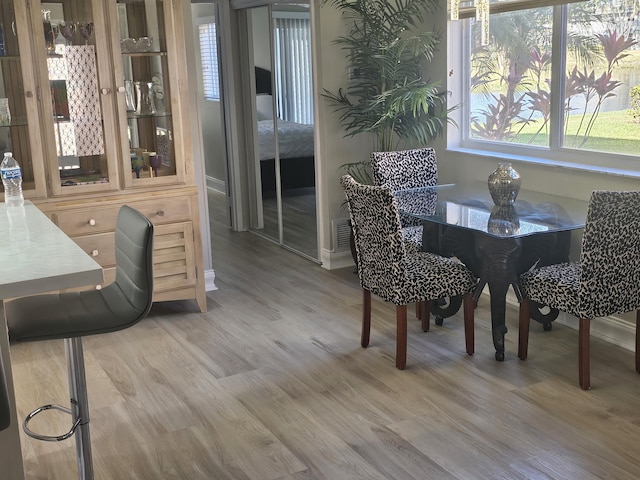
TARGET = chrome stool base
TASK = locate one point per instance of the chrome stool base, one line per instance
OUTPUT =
(79, 410)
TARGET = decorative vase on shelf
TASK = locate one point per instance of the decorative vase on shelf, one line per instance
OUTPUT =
(144, 98)
(49, 36)
(504, 184)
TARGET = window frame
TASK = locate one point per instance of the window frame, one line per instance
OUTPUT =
(212, 92)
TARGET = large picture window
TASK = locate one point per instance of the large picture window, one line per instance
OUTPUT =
(558, 82)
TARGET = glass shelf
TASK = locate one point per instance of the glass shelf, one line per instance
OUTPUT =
(144, 54)
(17, 122)
(132, 116)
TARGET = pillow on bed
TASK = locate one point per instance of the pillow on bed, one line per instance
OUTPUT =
(264, 107)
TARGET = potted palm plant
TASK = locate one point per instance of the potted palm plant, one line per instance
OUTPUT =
(388, 95)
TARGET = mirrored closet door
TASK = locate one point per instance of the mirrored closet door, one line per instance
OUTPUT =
(278, 70)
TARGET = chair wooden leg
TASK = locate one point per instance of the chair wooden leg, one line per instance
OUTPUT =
(366, 317)
(469, 333)
(523, 328)
(638, 341)
(418, 311)
(401, 336)
(583, 353)
(425, 312)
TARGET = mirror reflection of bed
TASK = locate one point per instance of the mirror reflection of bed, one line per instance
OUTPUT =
(297, 180)
(285, 130)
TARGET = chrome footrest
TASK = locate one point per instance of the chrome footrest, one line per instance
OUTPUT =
(49, 438)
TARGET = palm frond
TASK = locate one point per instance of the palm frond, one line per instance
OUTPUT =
(388, 96)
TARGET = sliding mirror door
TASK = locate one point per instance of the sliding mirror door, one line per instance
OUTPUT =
(279, 64)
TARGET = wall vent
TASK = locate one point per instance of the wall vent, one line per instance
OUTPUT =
(341, 234)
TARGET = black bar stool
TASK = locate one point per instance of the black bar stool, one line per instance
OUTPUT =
(72, 315)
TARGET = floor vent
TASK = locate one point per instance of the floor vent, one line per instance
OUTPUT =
(341, 234)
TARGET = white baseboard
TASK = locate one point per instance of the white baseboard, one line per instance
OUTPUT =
(333, 261)
(210, 280)
(216, 185)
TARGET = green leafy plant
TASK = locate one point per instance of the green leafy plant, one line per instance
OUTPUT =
(387, 95)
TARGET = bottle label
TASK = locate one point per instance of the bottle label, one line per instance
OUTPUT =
(11, 173)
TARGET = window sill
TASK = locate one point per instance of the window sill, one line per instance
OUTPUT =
(598, 170)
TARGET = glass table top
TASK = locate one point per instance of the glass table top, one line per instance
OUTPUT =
(469, 206)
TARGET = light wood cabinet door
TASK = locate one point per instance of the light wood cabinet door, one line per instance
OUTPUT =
(19, 117)
(71, 42)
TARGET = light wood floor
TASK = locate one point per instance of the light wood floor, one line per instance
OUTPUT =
(271, 383)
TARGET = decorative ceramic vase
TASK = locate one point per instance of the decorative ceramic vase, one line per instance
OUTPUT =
(144, 98)
(504, 184)
(49, 37)
(130, 96)
(155, 162)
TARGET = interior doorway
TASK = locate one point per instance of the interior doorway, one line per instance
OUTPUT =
(206, 27)
(279, 114)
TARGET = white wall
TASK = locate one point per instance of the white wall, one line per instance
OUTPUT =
(213, 134)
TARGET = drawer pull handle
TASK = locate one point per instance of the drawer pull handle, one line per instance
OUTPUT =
(95, 253)
(98, 287)
(92, 222)
(160, 213)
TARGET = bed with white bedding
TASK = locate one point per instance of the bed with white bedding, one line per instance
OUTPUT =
(295, 148)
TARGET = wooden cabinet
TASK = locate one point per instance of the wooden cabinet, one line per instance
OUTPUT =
(98, 119)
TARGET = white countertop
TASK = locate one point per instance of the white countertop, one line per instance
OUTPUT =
(37, 257)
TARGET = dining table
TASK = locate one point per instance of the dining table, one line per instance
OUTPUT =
(35, 257)
(496, 242)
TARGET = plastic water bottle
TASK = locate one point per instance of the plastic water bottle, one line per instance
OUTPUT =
(12, 181)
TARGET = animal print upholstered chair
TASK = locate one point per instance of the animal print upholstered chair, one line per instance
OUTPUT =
(387, 270)
(403, 169)
(606, 280)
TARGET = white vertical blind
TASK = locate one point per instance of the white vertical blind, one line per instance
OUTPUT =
(209, 56)
(293, 69)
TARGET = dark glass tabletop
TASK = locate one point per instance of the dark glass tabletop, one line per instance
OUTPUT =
(469, 206)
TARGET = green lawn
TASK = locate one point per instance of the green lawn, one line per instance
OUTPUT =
(615, 132)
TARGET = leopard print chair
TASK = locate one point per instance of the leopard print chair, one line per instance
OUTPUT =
(606, 280)
(387, 270)
(403, 169)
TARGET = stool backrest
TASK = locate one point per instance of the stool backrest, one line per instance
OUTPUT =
(134, 262)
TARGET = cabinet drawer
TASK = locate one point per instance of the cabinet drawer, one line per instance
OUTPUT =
(84, 222)
(103, 219)
(165, 210)
(100, 246)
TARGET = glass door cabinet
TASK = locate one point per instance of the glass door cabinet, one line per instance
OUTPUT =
(19, 124)
(144, 81)
(74, 65)
(91, 107)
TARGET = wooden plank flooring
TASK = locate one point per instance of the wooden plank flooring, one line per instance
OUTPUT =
(271, 383)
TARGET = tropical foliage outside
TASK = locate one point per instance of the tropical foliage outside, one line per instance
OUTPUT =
(511, 78)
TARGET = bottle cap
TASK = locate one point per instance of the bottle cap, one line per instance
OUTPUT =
(9, 154)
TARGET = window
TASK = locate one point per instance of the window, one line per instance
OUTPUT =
(292, 44)
(209, 58)
(559, 82)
